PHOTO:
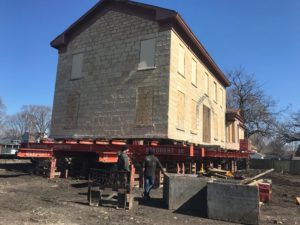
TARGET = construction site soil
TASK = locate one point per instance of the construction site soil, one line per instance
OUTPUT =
(30, 199)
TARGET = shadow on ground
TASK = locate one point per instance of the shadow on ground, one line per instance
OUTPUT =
(16, 166)
(153, 202)
(14, 175)
(80, 185)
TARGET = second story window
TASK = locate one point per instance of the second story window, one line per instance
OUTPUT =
(221, 97)
(147, 54)
(181, 60)
(77, 66)
(215, 92)
(206, 84)
(194, 72)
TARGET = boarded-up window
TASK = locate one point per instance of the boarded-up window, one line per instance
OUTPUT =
(77, 66)
(194, 72)
(215, 92)
(147, 54)
(194, 115)
(206, 124)
(180, 110)
(216, 127)
(71, 110)
(222, 123)
(144, 105)
(181, 60)
(233, 132)
(206, 84)
(241, 133)
(228, 136)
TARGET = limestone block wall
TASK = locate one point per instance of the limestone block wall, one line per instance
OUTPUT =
(104, 102)
(186, 117)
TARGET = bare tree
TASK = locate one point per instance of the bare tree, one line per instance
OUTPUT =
(289, 131)
(18, 124)
(34, 119)
(2, 116)
(256, 108)
(40, 116)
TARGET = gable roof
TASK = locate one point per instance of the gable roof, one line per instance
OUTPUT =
(167, 19)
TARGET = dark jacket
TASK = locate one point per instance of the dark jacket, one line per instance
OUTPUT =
(123, 162)
(149, 164)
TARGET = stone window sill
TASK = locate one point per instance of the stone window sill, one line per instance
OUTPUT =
(180, 129)
(193, 132)
(146, 68)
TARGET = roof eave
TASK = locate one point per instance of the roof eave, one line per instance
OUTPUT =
(161, 14)
(193, 37)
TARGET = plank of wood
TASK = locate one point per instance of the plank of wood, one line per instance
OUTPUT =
(255, 182)
(246, 181)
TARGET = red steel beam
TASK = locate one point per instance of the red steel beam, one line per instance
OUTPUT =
(35, 153)
(227, 154)
(108, 152)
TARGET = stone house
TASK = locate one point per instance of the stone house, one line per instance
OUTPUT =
(131, 70)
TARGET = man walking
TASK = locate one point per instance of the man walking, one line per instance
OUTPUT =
(123, 161)
(149, 165)
(123, 176)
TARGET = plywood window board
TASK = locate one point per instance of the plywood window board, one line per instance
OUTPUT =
(193, 116)
(77, 61)
(206, 124)
(144, 106)
(216, 127)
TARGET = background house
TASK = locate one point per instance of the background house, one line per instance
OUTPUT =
(235, 130)
(9, 146)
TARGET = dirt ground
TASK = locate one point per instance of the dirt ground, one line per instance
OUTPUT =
(30, 199)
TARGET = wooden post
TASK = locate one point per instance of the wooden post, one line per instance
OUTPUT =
(183, 168)
(52, 168)
(132, 173)
(178, 168)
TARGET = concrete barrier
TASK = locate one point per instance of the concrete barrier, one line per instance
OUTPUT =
(233, 202)
(186, 193)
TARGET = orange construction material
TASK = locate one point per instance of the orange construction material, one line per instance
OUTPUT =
(265, 192)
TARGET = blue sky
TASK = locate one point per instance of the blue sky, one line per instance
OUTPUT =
(261, 36)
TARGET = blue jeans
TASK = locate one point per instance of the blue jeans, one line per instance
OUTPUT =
(148, 184)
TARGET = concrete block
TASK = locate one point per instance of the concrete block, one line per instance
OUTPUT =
(233, 202)
(185, 193)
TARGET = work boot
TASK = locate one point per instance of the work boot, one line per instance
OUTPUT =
(146, 196)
